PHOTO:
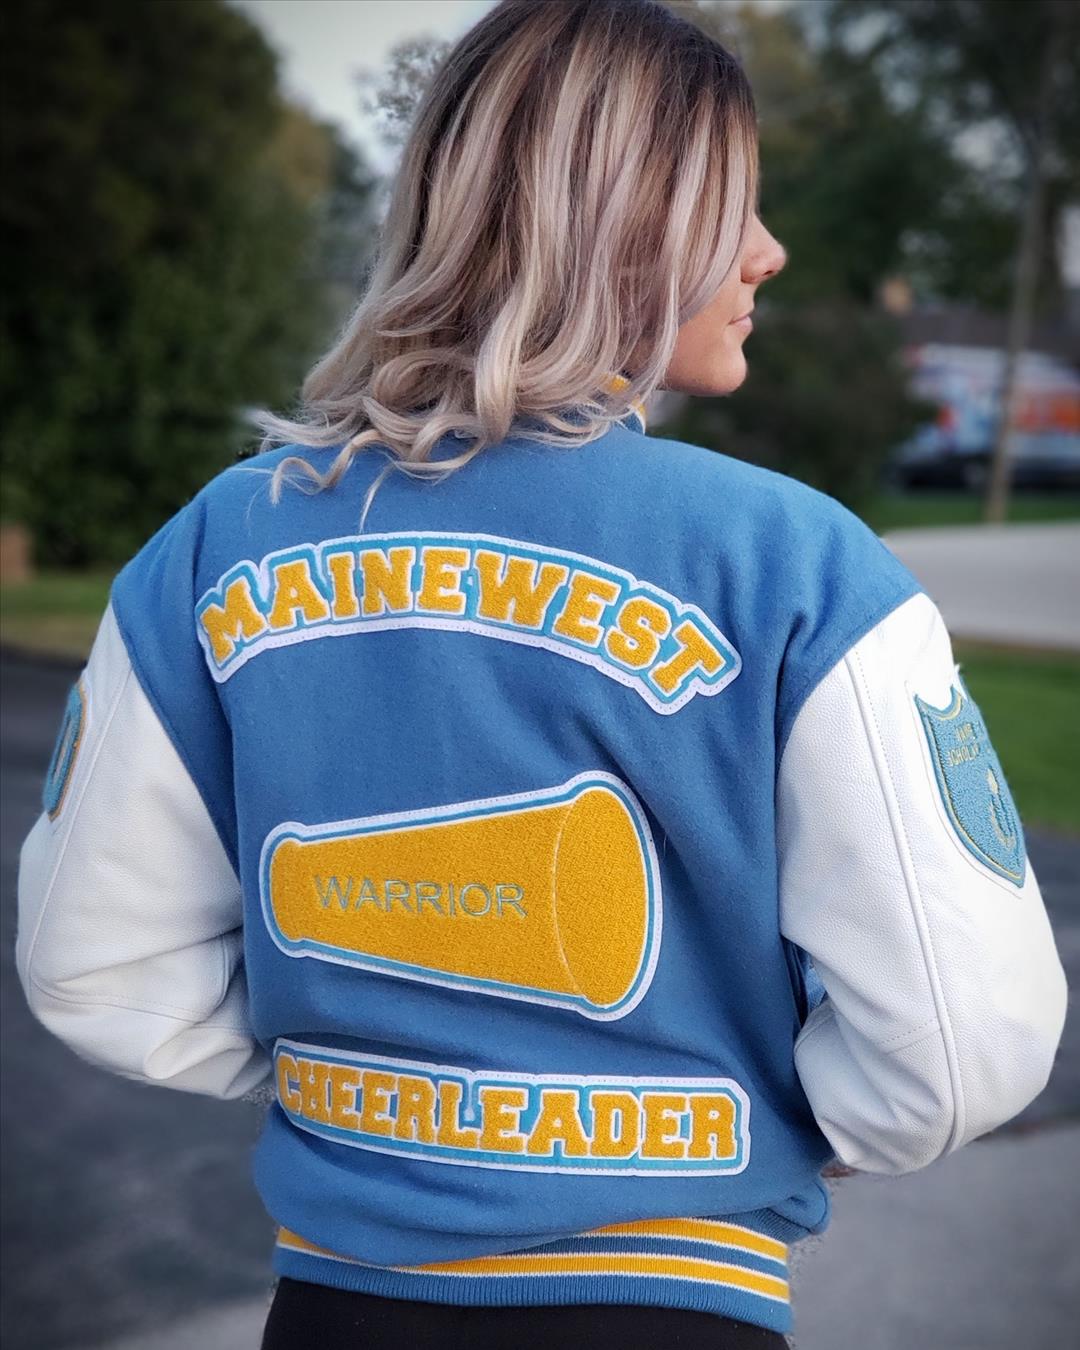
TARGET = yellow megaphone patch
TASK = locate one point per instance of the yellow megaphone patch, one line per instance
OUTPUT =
(549, 897)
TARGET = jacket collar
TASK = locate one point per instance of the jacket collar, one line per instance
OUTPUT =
(635, 419)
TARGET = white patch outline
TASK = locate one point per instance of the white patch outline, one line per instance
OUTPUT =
(465, 984)
(261, 581)
(473, 1079)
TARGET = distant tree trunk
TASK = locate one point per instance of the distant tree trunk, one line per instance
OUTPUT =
(1029, 255)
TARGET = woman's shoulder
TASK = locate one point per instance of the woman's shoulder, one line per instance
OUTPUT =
(750, 491)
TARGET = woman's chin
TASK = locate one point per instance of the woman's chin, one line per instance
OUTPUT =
(738, 373)
(722, 374)
(727, 375)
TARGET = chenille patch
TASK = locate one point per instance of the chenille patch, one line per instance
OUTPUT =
(564, 1123)
(969, 776)
(663, 647)
(548, 897)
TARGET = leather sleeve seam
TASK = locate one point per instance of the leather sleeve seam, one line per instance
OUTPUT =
(173, 1014)
(913, 1036)
(905, 855)
(893, 1045)
(826, 1019)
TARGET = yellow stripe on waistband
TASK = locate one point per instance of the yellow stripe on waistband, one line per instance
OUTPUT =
(287, 1238)
(599, 1262)
(699, 1230)
(612, 1263)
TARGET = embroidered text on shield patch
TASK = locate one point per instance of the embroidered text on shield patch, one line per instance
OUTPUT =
(973, 786)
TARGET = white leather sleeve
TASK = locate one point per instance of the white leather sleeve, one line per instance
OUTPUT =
(129, 945)
(945, 995)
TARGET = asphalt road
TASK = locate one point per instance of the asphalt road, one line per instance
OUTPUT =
(127, 1208)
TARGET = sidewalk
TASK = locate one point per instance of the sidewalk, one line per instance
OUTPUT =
(977, 1252)
(1012, 584)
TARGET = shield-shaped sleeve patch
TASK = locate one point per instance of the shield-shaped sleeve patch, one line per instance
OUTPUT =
(972, 784)
(68, 740)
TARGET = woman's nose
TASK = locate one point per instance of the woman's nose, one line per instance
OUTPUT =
(765, 257)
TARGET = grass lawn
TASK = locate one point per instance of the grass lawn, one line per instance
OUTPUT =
(56, 613)
(910, 510)
(1031, 701)
(1031, 704)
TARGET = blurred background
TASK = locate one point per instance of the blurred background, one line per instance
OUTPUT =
(192, 191)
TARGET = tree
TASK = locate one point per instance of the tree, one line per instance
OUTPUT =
(1001, 68)
(801, 412)
(161, 260)
(393, 93)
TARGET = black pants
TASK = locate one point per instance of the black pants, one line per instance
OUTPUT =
(306, 1316)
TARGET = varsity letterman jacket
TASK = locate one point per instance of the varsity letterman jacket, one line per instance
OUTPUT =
(585, 853)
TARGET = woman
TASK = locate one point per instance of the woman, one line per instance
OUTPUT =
(634, 849)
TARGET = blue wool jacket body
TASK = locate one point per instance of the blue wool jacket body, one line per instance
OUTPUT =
(401, 719)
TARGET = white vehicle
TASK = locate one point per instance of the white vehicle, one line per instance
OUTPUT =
(966, 382)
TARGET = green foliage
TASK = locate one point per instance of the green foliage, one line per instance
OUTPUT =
(856, 186)
(975, 68)
(921, 510)
(161, 261)
(824, 401)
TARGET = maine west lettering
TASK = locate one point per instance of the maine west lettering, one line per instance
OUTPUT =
(581, 608)
(639, 1126)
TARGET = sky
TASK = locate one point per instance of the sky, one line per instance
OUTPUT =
(322, 43)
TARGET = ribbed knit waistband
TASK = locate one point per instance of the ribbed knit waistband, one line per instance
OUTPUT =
(731, 1269)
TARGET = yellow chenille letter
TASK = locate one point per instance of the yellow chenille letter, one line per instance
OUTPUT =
(294, 590)
(314, 1080)
(695, 651)
(583, 606)
(616, 1124)
(441, 585)
(712, 1131)
(517, 597)
(344, 1081)
(416, 1110)
(558, 1120)
(501, 1109)
(450, 1133)
(639, 627)
(386, 577)
(662, 1126)
(239, 618)
(375, 1103)
(287, 1075)
(342, 570)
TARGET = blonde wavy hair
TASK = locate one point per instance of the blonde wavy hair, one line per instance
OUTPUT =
(577, 183)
